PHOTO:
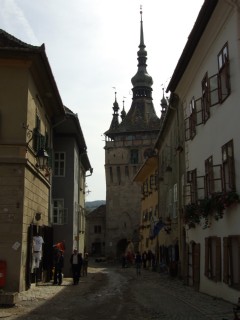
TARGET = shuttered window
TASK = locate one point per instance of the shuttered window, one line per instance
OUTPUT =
(213, 258)
(231, 261)
(224, 73)
(228, 167)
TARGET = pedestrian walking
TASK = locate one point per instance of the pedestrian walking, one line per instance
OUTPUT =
(138, 263)
(144, 259)
(149, 259)
(58, 264)
(85, 265)
(76, 264)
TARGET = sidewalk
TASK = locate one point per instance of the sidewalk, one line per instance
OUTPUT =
(45, 291)
(42, 291)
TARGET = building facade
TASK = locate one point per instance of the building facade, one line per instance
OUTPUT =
(29, 105)
(127, 144)
(96, 231)
(71, 167)
(206, 81)
(147, 177)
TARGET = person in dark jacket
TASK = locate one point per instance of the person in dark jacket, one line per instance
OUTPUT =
(76, 264)
(138, 263)
(58, 264)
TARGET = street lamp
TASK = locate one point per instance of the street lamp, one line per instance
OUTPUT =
(42, 159)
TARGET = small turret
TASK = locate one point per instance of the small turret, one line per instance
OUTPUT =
(123, 112)
(115, 122)
(163, 104)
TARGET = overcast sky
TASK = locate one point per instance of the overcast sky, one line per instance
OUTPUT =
(92, 47)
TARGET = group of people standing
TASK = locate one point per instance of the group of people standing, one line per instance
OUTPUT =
(145, 260)
(79, 266)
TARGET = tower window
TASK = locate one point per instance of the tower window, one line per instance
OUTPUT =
(119, 175)
(134, 156)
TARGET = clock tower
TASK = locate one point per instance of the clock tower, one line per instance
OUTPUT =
(127, 142)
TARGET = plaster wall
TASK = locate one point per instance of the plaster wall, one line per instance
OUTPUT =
(220, 128)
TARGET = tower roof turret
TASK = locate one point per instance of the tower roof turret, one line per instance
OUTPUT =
(123, 112)
(142, 79)
(141, 117)
(115, 122)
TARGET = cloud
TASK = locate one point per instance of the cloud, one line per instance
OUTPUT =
(14, 22)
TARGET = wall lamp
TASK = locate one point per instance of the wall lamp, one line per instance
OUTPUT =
(42, 159)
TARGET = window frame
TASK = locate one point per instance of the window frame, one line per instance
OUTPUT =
(213, 260)
(229, 183)
(224, 73)
(134, 156)
(97, 229)
(59, 172)
(59, 213)
(229, 261)
(205, 98)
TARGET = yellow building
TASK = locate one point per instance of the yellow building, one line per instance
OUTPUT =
(147, 177)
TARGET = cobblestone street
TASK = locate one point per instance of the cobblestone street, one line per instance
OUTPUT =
(110, 292)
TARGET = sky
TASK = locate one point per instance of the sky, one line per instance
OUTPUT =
(92, 49)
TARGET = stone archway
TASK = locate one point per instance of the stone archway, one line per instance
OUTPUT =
(121, 247)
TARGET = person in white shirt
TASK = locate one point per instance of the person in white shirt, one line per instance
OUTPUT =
(37, 250)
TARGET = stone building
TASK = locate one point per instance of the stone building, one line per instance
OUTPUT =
(128, 142)
(95, 231)
(30, 106)
(35, 195)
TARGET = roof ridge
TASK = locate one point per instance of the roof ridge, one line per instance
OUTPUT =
(17, 41)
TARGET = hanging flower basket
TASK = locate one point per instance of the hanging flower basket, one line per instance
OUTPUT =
(214, 206)
(192, 215)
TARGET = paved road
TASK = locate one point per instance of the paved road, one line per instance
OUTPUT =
(113, 293)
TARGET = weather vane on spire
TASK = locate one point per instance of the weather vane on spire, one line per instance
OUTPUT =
(141, 11)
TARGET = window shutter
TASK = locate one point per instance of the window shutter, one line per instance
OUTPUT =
(196, 266)
(226, 260)
(218, 259)
(187, 194)
(199, 111)
(36, 139)
(187, 264)
(200, 187)
(192, 124)
(206, 270)
(214, 90)
(224, 80)
(189, 176)
(187, 129)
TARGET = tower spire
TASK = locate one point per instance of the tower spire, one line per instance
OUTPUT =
(123, 112)
(115, 122)
(141, 30)
(142, 81)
